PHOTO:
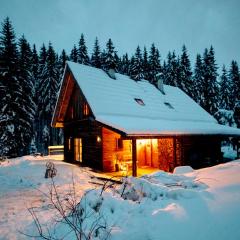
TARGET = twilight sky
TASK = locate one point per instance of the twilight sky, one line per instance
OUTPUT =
(169, 24)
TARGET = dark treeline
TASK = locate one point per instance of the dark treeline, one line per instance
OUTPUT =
(30, 80)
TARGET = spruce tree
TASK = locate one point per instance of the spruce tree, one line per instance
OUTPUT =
(96, 55)
(28, 107)
(198, 81)
(210, 88)
(171, 70)
(125, 65)
(154, 64)
(62, 62)
(117, 61)
(234, 79)
(136, 70)
(146, 65)
(49, 85)
(83, 57)
(224, 91)
(108, 56)
(11, 92)
(35, 73)
(185, 73)
(74, 54)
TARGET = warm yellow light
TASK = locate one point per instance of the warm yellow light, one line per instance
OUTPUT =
(146, 142)
(99, 139)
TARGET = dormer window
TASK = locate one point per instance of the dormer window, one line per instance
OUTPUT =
(85, 110)
(139, 101)
(169, 105)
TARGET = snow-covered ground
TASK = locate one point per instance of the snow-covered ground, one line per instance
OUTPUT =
(189, 204)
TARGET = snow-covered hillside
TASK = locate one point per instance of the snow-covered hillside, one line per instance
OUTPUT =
(201, 204)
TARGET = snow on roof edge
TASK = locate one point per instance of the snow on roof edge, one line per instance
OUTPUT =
(53, 120)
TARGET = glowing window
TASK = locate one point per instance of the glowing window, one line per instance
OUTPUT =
(139, 101)
(85, 109)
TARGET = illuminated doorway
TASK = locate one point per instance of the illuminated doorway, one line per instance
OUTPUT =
(147, 153)
(78, 149)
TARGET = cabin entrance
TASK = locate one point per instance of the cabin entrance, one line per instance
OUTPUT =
(147, 153)
(78, 149)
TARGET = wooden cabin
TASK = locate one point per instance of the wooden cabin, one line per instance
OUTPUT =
(113, 123)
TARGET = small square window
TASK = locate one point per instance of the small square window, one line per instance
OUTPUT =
(139, 101)
(169, 105)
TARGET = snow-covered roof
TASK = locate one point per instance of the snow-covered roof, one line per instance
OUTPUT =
(114, 103)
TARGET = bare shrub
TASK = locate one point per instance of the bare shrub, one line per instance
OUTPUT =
(75, 217)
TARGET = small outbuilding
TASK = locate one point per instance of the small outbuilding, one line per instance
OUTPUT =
(114, 123)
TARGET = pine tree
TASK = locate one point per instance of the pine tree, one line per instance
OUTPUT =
(10, 143)
(74, 54)
(42, 74)
(125, 65)
(136, 70)
(35, 65)
(210, 88)
(154, 65)
(83, 57)
(49, 85)
(108, 56)
(170, 75)
(117, 61)
(224, 91)
(28, 107)
(35, 73)
(62, 62)
(185, 73)
(198, 81)
(146, 66)
(234, 79)
(96, 55)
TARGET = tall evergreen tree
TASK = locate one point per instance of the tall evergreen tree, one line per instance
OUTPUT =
(136, 70)
(35, 74)
(28, 107)
(146, 65)
(10, 92)
(35, 65)
(185, 73)
(49, 84)
(224, 91)
(74, 54)
(96, 55)
(171, 70)
(154, 64)
(83, 57)
(108, 56)
(125, 65)
(210, 88)
(62, 62)
(234, 79)
(198, 81)
(117, 61)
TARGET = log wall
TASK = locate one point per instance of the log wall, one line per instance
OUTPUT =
(115, 152)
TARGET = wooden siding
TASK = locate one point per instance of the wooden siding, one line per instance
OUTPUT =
(77, 106)
(165, 154)
(113, 153)
(201, 152)
(89, 132)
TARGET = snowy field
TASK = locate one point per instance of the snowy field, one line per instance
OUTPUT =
(202, 204)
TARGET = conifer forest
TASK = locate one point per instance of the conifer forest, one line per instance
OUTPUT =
(30, 80)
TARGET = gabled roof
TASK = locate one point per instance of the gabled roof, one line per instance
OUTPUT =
(139, 108)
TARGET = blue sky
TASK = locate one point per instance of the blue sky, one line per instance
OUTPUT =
(169, 24)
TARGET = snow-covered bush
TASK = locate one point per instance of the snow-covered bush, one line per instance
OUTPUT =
(225, 117)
